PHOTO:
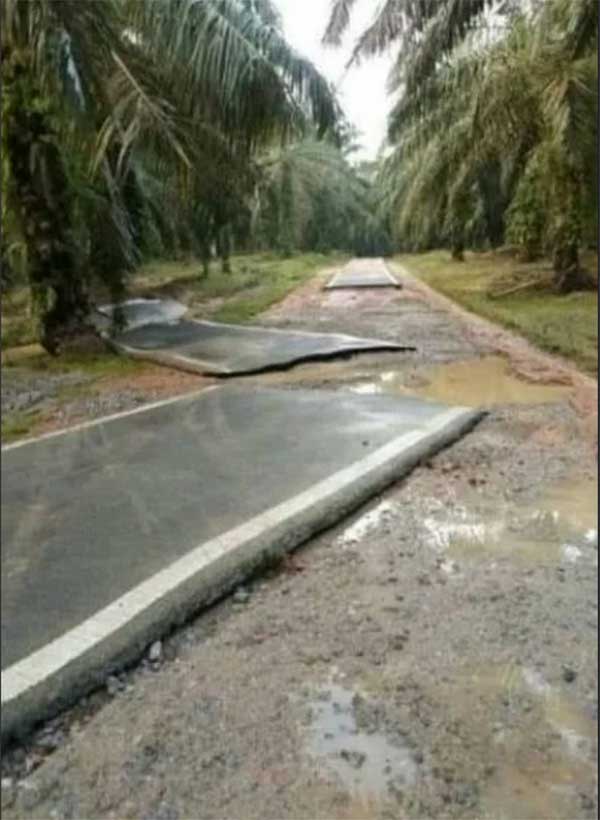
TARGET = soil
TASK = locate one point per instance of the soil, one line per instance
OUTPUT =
(434, 656)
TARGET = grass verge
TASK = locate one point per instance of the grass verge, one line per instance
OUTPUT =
(565, 325)
(256, 282)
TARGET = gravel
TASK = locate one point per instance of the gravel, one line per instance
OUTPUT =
(21, 390)
(483, 665)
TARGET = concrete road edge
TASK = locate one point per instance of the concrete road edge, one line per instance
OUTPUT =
(54, 676)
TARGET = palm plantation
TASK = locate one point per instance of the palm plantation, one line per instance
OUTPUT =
(492, 136)
(134, 131)
(236, 325)
(100, 130)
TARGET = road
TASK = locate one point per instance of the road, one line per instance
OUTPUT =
(433, 656)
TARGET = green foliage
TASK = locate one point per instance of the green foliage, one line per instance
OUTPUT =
(493, 125)
(567, 325)
(19, 424)
(525, 217)
(256, 282)
(134, 128)
(311, 198)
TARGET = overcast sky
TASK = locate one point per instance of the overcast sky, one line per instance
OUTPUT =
(362, 89)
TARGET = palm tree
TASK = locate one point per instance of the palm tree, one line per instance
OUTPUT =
(311, 197)
(497, 128)
(112, 105)
(61, 61)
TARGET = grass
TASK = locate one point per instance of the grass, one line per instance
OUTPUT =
(19, 424)
(256, 282)
(96, 365)
(565, 325)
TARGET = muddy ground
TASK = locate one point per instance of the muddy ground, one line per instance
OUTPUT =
(433, 656)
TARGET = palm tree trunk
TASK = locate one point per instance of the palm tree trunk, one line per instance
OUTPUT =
(7, 275)
(494, 204)
(458, 250)
(568, 275)
(41, 190)
(205, 252)
(224, 248)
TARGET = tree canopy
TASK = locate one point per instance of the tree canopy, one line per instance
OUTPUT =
(114, 109)
(493, 129)
(133, 128)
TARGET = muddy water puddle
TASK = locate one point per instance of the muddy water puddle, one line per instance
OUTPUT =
(576, 503)
(483, 382)
(560, 528)
(542, 762)
(541, 783)
(537, 790)
(575, 730)
(362, 759)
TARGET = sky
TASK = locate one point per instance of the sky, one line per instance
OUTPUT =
(361, 89)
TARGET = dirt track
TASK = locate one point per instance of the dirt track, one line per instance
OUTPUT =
(435, 656)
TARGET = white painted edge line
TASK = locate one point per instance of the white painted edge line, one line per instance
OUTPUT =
(113, 417)
(51, 658)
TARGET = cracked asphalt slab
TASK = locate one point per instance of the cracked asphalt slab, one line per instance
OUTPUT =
(433, 656)
(220, 349)
(131, 499)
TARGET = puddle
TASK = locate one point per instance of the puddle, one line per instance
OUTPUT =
(360, 808)
(545, 785)
(467, 535)
(366, 763)
(481, 382)
(576, 730)
(366, 523)
(536, 790)
(532, 779)
(575, 502)
(511, 680)
(561, 528)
